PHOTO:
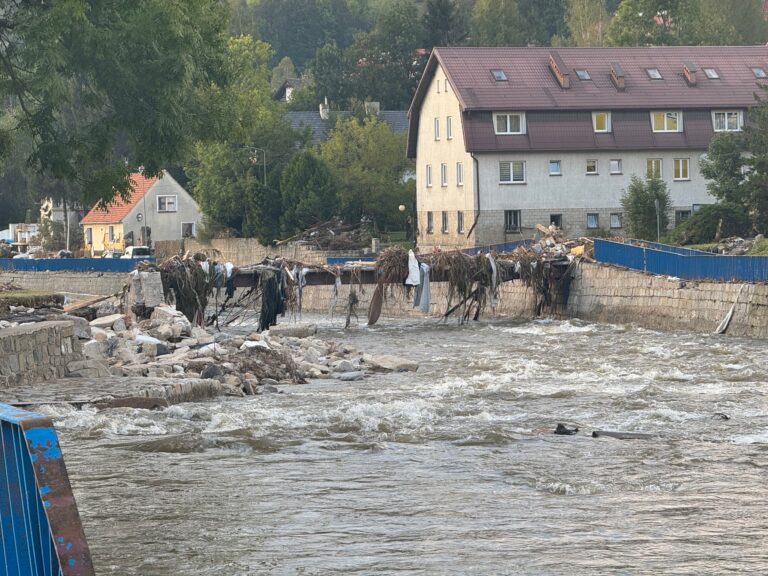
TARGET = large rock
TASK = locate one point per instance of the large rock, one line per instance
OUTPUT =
(212, 371)
(108, 321)
(168, 315)
(344, 366)
(89, 368)
(392, 363)
(82, 328)
(95, 349)
(351, 376)
(293, 330)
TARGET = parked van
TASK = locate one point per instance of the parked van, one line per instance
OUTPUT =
(136, 252)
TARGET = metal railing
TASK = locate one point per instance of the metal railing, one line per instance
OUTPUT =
(39, 522)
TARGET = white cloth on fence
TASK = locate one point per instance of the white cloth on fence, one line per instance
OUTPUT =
(413, 270)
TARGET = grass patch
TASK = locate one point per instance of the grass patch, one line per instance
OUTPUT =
(30, 299)
(759, 248)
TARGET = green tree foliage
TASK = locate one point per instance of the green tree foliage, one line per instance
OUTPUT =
(332, 70)
(444, 24)
(544, 19)
(639, 204)
(712, 223)
(94, 83)
(587, 21)
(309, 193)
(285, 70)
(497, 23)
(723, 168)
(369, 163)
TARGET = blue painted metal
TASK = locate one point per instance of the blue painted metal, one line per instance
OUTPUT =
(40, 527)
(71, 264)
(339, 260)
(505, 247)
(673, 261)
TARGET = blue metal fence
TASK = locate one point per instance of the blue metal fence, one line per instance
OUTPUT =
(682, 262)
(39, 523)
(71, 264)
(506, 247)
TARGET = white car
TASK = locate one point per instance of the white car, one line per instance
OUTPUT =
(136, 252)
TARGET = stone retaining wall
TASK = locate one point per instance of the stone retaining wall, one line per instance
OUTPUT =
(33, 352)
(90, 283)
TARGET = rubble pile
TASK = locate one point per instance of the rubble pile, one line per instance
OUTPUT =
(736, 246)
(334, 235)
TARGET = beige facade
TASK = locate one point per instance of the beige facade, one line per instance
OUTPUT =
(445, 172)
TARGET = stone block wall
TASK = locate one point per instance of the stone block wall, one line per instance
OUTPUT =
(36, 352)
(86, 283)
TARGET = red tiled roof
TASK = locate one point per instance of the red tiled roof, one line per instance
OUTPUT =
(118, 209)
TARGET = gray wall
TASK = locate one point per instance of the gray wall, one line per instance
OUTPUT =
(164, 225)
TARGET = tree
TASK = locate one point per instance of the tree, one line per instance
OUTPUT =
(369, 163)
(587, 22)
(640, 212)
(543, 19)
(309, 193)
(332, 70)
(723, 168)
(443, 23)
(497, 23)
(285, 70)
(97, 83)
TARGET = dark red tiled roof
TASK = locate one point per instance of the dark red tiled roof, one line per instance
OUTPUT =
(118, 209)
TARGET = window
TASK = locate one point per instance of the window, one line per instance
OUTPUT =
(615, 166)
(437, 128)
(459, 174)
(438, 86)
(667, 121)
(89, 235)
(509, 123)
(681, 216)
(512, 172)
(449, 128)
(111, 233)
(460, 222)
(583, 74)
(593, 220)
(556, 220)
(601, 121)
(759, 72)
(166, 203)
(187, 229)
(444, 228)
(653, 168)
(727, 120)
(511, 220)
(429, 175)
(616, 220)
(443, 174)
(554, 168)
(430, 223)
(682, 166)
(696, 207)
(654, 74)
(499, 75)
(591, 166)
(711, 73)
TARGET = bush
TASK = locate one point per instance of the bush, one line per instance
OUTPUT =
(639, 204)
(727, 218)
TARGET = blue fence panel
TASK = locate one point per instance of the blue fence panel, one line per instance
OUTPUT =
(337, 260)
(39, 523)
(71, 264)
(619, 254)
(668, 248)
(505, 247)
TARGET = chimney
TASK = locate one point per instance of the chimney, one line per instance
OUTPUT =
(689, 71)
(557, 66)
(324, 110)
(617, 76)
(372, 108)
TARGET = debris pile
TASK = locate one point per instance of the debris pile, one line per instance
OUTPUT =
(334, 235)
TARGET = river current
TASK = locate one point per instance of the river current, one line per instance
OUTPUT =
(452, 470)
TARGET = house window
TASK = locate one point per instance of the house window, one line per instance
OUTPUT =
(711, 73)
(654, 74)
(438, 86)
(554, 168)
(583, 74)
(499, 75)
(513, 123)
(429, 175)
(444, 228)
(511, 220)
(593, 220)
(89, 235)
(187, 229)
(166, 203)
(591, 167)
(653, 168)
(512, 172)
(437, 128)
(430, 223)
(449, 128)
(727, 120)
(556, 220)
(111, 233)
(615, 220)
(696, 207)
(460, 222)
(601, 121)
(667, 121)
(681, 169)
(459, 174)
(759, 72)
(615, 166)
(443, 175)
(681, 216)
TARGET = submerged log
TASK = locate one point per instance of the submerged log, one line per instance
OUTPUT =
(621, 435)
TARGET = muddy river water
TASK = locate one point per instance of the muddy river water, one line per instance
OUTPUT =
(452, 470)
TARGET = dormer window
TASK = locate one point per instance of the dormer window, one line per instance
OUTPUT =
(654, 74)
(711, 73)
(583, 74)
(499, 75)
(667, 121)
(601, 121)
(509, 123)
(727, 120)
(759, 72)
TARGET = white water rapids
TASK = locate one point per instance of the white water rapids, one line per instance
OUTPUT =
(452, 470)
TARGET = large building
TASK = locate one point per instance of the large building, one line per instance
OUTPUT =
(507, 138)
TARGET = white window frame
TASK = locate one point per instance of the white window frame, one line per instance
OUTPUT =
(666, 113)
(194, 230)
(437, 128)
(443, 175)
(726, 113)
(681, 162)
(649, 172)
(594, 172)
(507, 115)
(449, 128)
(444, 222)
(512, 172)
(597, 220)
(712, 73)
(519, 221)
(460, 222)
(654, 74)
(559, 168)
(616, 217)
(619, 165)
(608, 126)
(175, 203)
(459, 174)
(429, 176)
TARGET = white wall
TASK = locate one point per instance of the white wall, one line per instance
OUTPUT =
(163, 225)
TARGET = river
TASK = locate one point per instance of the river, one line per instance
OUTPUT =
(452, 470)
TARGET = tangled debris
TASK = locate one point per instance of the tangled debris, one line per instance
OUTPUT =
(333, 235)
